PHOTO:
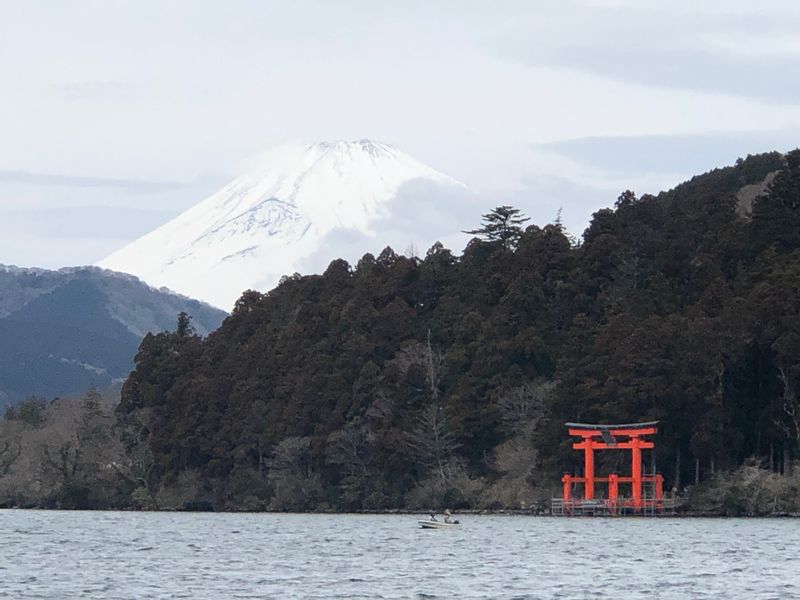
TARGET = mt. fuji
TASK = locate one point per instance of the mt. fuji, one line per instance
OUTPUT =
(298, 209)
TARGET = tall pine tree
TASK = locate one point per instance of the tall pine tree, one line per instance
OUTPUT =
(503, 225)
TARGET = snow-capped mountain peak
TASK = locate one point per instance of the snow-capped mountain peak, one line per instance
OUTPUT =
(265, 222)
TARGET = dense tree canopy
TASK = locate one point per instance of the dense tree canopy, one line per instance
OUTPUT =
(447, 380)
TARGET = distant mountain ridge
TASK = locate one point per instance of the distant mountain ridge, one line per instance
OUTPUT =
(64, 331)
(270, 221)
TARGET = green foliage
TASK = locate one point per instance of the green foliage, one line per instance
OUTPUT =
(502, 225)
(749, 490)
(54, 325)
(776, 215)
(184, 327)
(447, 380)
(31, 412)
(64, 454)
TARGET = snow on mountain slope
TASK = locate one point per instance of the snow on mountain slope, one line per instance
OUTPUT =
(270, 221)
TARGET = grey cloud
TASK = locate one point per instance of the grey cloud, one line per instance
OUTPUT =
(421, 214)
(53, 180)
(687, 154)
(769, 80)
(90, 222)
(663, 50)
(545, 197)
(79, 90)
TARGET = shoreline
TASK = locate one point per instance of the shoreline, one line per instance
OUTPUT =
(413, 512)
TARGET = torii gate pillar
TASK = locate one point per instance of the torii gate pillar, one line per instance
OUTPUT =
(614, 437)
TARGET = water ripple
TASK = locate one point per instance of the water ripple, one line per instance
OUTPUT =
(112, 556)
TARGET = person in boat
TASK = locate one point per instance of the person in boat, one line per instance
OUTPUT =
(433, 517)
(447, 518)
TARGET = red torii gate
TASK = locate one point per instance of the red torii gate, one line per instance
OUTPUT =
(605, 437)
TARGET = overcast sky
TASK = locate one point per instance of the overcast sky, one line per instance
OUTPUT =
(115, 116)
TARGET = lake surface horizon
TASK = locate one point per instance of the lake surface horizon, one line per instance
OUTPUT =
(121, 555)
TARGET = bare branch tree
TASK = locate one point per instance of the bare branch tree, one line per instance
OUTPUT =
(791, 406)
(423, 355)
(290, 456)
(60, 460)
(522, 407)
(294, 483)
(434, 365)
(138, 464)
(432, 441)
(349, 447)
(382, 408)
(8, 456)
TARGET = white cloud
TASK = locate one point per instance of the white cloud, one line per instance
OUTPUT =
(163, 92)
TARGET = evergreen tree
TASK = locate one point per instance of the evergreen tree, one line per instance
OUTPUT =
(674, 308)
(185, 327)
(502, 225)
(776, 215)
(626, 198)
(32, 411)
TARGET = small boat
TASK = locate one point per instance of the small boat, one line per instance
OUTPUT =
(429, 524)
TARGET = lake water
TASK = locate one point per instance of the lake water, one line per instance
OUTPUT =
(60, 555)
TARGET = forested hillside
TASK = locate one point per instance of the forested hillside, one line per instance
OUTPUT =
(445, 380)
(406, 381)
(64, 331)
